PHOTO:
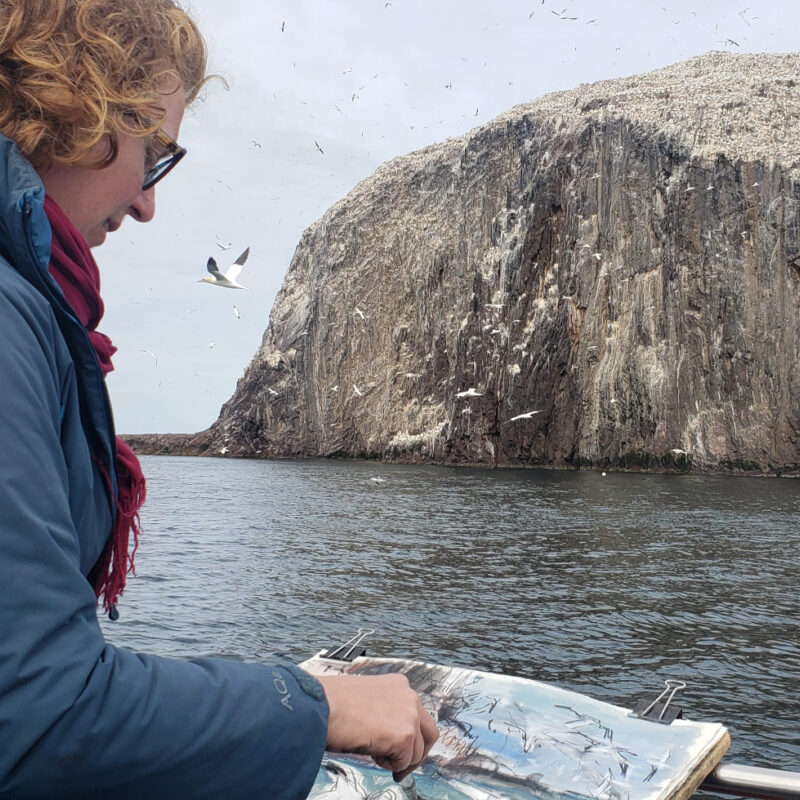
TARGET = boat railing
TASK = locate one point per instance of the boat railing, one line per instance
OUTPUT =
(746, 781)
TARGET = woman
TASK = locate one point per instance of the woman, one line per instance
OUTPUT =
(92, 93)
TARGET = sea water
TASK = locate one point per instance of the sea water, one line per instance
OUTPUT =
(608, 585)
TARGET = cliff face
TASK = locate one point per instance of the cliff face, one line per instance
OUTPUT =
(622, 259)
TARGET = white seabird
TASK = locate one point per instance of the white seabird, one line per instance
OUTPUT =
(227, 279)
(526, 415)
(469, 393)
(150, 353)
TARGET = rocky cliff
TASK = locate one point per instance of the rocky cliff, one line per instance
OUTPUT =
(608, 277)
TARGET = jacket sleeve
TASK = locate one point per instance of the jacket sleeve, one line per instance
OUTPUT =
(79, 717)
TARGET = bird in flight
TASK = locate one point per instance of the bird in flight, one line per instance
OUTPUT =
(469, 393)
(526, 415)
(227, 279)
(150, 353)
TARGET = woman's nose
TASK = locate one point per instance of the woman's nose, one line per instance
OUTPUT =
(143, 208)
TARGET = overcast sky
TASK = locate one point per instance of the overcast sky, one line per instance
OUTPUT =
(366, 80)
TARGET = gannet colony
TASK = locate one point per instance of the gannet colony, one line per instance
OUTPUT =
(622, 259)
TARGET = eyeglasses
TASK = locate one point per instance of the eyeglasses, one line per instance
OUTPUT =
(172, 154)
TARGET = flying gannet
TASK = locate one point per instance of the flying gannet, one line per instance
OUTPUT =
(526, 415)
(227, 279)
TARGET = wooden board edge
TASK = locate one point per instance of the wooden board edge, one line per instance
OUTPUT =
(702, 769)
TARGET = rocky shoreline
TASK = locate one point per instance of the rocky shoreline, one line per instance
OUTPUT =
(201, 444)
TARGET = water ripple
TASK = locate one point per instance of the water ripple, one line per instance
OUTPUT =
(604, 585)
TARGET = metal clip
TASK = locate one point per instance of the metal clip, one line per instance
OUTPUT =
(658, 711)
(348, 651)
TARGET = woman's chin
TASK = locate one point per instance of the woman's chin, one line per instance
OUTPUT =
(96, 236)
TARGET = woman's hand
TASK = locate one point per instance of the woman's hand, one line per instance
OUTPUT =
(380, 716)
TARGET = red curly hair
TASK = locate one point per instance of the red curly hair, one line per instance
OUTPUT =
(74, 71)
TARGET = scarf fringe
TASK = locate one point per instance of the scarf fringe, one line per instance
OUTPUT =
(116, 561)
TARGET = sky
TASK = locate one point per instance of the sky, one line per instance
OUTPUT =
(319, 94)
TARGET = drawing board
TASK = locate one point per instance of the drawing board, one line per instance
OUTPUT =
(514, 738)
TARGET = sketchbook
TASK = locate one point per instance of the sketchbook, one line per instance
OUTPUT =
(509, 738)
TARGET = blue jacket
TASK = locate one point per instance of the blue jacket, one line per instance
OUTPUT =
(80, 718)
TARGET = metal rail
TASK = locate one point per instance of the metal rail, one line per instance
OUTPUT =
(739, 779)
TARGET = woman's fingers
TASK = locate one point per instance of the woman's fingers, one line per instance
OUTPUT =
(428, 734)
(430, 730)
(400, 769)
(380, 716)
(419, 749)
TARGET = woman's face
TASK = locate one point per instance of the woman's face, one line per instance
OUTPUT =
(96, 201)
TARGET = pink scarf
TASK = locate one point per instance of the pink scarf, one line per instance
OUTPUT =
(76, 272)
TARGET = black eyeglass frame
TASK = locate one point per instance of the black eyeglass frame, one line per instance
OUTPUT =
(174, 153)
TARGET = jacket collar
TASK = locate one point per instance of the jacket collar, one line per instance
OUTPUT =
(24, 229)
(25, 239)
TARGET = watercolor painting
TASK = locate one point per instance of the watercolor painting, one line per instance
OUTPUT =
(507, 737)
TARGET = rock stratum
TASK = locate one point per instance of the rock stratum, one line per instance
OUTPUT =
(622, 259)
